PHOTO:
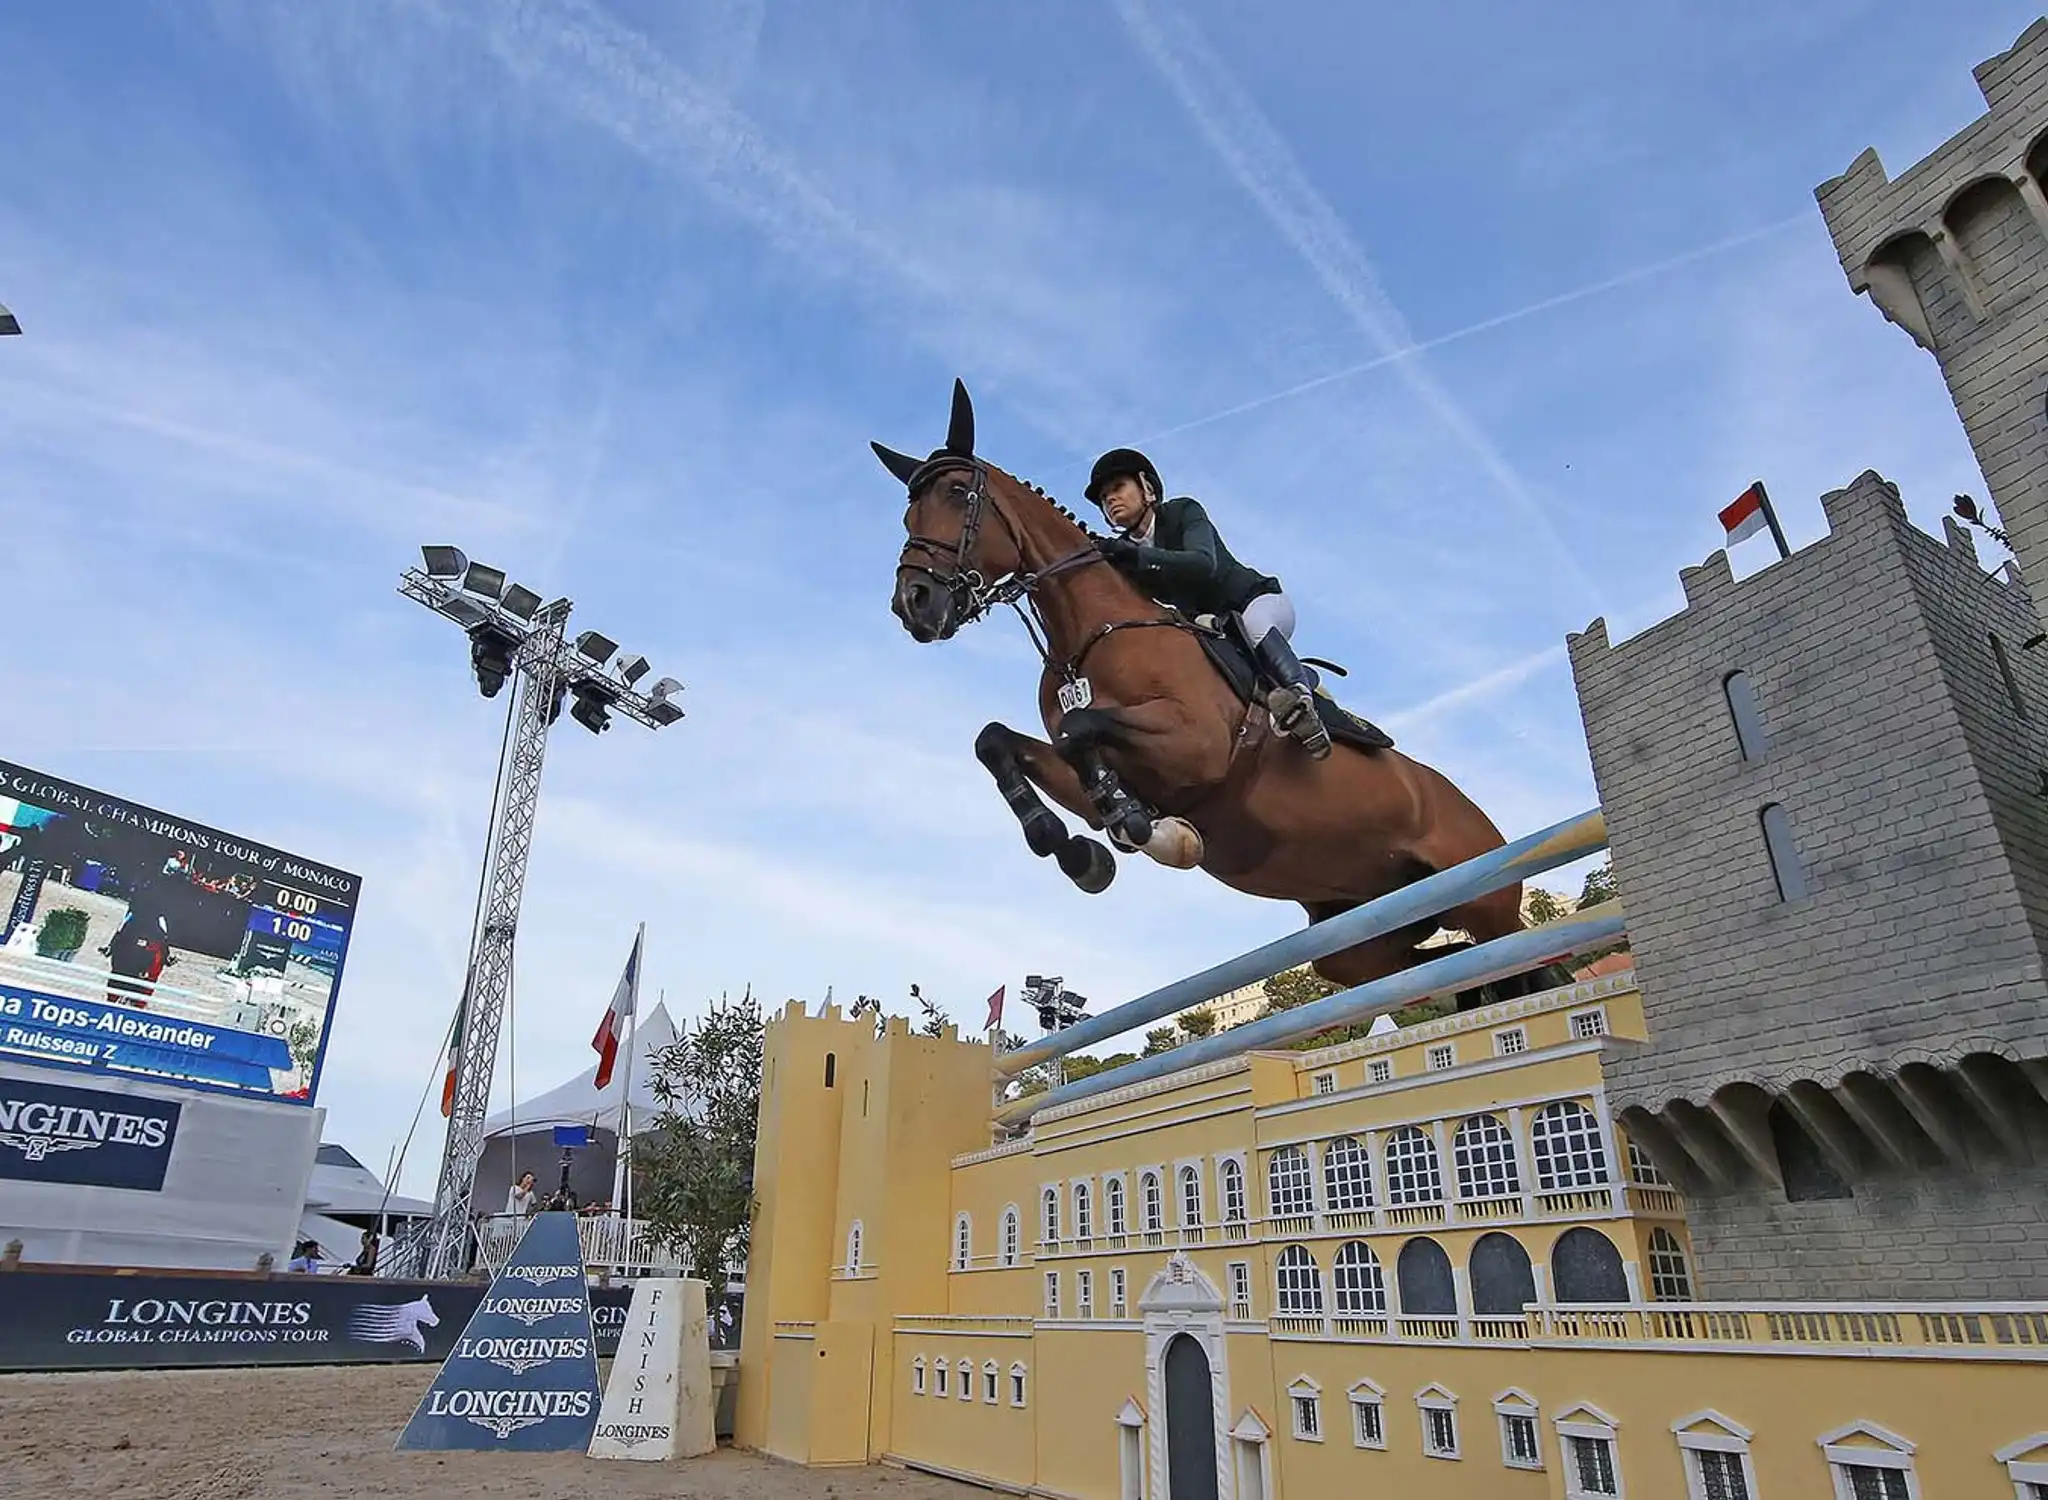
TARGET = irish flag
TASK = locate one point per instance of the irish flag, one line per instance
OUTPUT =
(454, 1054)
(625, 1001)
(1745, 518)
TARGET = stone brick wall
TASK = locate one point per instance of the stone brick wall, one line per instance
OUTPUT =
(1973, 1238)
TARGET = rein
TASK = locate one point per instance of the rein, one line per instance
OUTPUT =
(974, 596)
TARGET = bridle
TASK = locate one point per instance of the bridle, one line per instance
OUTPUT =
(974, 596)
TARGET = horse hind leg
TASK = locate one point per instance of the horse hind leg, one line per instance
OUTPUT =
(1021, 765)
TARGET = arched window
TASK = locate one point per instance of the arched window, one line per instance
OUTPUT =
(963, 1242)
(1231, 1175)
(1669, 1279)
(1503, 1282)
(1484, 1152)
(1084, 1212)
(1113, 1198)
(1190, 1198)
(1155, 1203)
(1359, 1282)
(1016, 1385)
(1347, 1177)
(1784, 853)
(1641, 1169)
(940, 1372)
(1412, 1172)
(1748, 717)
(853, 1249)
(1011, 1235)
(990, 1382)
(1049, 1217)
(1585, 1267)
(1289, 1187)
(1427, 1288)
(1299, 1283)
(1566, 1140)
(917, 1376)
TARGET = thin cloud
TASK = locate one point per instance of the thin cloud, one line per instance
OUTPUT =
(1478, 690)
(1263, 165)
(1486, 325)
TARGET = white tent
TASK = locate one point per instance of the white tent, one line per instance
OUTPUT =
(580, 1102)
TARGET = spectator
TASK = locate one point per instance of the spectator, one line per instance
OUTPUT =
(306, 1256)
(519, 1202)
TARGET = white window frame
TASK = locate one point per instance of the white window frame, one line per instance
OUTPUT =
(1116, 1207)
(1119, 1292)
(966, 1373)
(1896, 1453)
(1294, 1301)
(1660, 1276)
(1292, 1208)
(942, 1377)
(991, 1382)
(1049, 1196)
(1733, 1437)
(1368, 1393)
(1052, 1294)
(1012, 1235)
(1441, 1057)
(917, 1369)
(1303, 1394)
(1238, 1274)
(963, 1241)
(1083, 1190)
(1598, 1013)
(1347, 1175)
(1380, 1070)
(1130, 1451)
(2020, 1469)
(1591, 1423)
(1434, 1397)
(854, 1245)
(1520, 1035)
(1323, 1083)
(1155, 1179)
(1018, 1375)
(1521, 1406)
(1181, 1169)
(1084, 1294)
(1243, 1214)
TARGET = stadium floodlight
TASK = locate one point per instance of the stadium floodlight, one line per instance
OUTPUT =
(445, 562)
(465, 612)
(8, 322)
(593, 699)
(484, 580)
(512, 637)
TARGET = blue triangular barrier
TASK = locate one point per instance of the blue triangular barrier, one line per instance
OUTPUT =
(524, 1373)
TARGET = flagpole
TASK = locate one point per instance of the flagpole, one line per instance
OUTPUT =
(1771, 520)
(619, 1173)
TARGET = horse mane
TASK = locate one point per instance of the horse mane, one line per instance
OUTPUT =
(1041, 493)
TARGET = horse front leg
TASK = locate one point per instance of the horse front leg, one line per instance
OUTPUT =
(1021, 765)
(1083, 736)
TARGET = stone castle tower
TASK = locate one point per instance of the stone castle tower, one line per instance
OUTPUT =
(1954, 252)
(1826, 788)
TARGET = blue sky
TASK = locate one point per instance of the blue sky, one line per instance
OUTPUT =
(614, 295)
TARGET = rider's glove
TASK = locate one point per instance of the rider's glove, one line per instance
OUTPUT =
(1120, 550)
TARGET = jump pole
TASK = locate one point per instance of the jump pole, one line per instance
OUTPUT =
(1559, 844)
(1470, 967)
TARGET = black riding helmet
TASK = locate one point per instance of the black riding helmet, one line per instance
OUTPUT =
(1120, 463)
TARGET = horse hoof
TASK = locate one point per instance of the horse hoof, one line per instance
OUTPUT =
(1175, 843)
(1044, 834)
(1137, 827)
(1087, 864)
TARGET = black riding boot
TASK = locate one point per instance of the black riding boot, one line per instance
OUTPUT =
(1292, 699)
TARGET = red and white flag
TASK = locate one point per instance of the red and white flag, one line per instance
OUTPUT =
(625, 1001)
(995, 1007)
(1745, 518)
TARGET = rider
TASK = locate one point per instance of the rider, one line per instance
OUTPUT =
(1171, 550)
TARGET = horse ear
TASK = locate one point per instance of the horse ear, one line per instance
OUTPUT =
(960, 431)
(902, 465)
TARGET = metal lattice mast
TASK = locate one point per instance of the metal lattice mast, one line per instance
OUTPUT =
(497, 926)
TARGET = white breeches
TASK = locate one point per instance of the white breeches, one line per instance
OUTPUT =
(1269, 612)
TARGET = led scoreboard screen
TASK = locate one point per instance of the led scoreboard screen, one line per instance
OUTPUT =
(140, 944)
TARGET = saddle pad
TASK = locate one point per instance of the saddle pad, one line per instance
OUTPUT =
(1235, 664)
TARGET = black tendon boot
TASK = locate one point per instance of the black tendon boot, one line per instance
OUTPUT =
(1291, 701)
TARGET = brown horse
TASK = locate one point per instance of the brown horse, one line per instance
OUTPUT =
(1149, 740)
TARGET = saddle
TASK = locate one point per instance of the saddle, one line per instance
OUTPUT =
(1231, 654)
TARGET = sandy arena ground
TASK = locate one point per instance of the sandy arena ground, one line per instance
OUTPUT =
(325, 1433)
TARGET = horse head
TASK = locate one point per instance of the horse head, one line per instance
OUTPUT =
(966, 525)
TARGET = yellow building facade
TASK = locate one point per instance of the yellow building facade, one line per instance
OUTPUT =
(1423, 1263)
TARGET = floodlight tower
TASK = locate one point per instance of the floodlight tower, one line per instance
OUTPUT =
(511, 634)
